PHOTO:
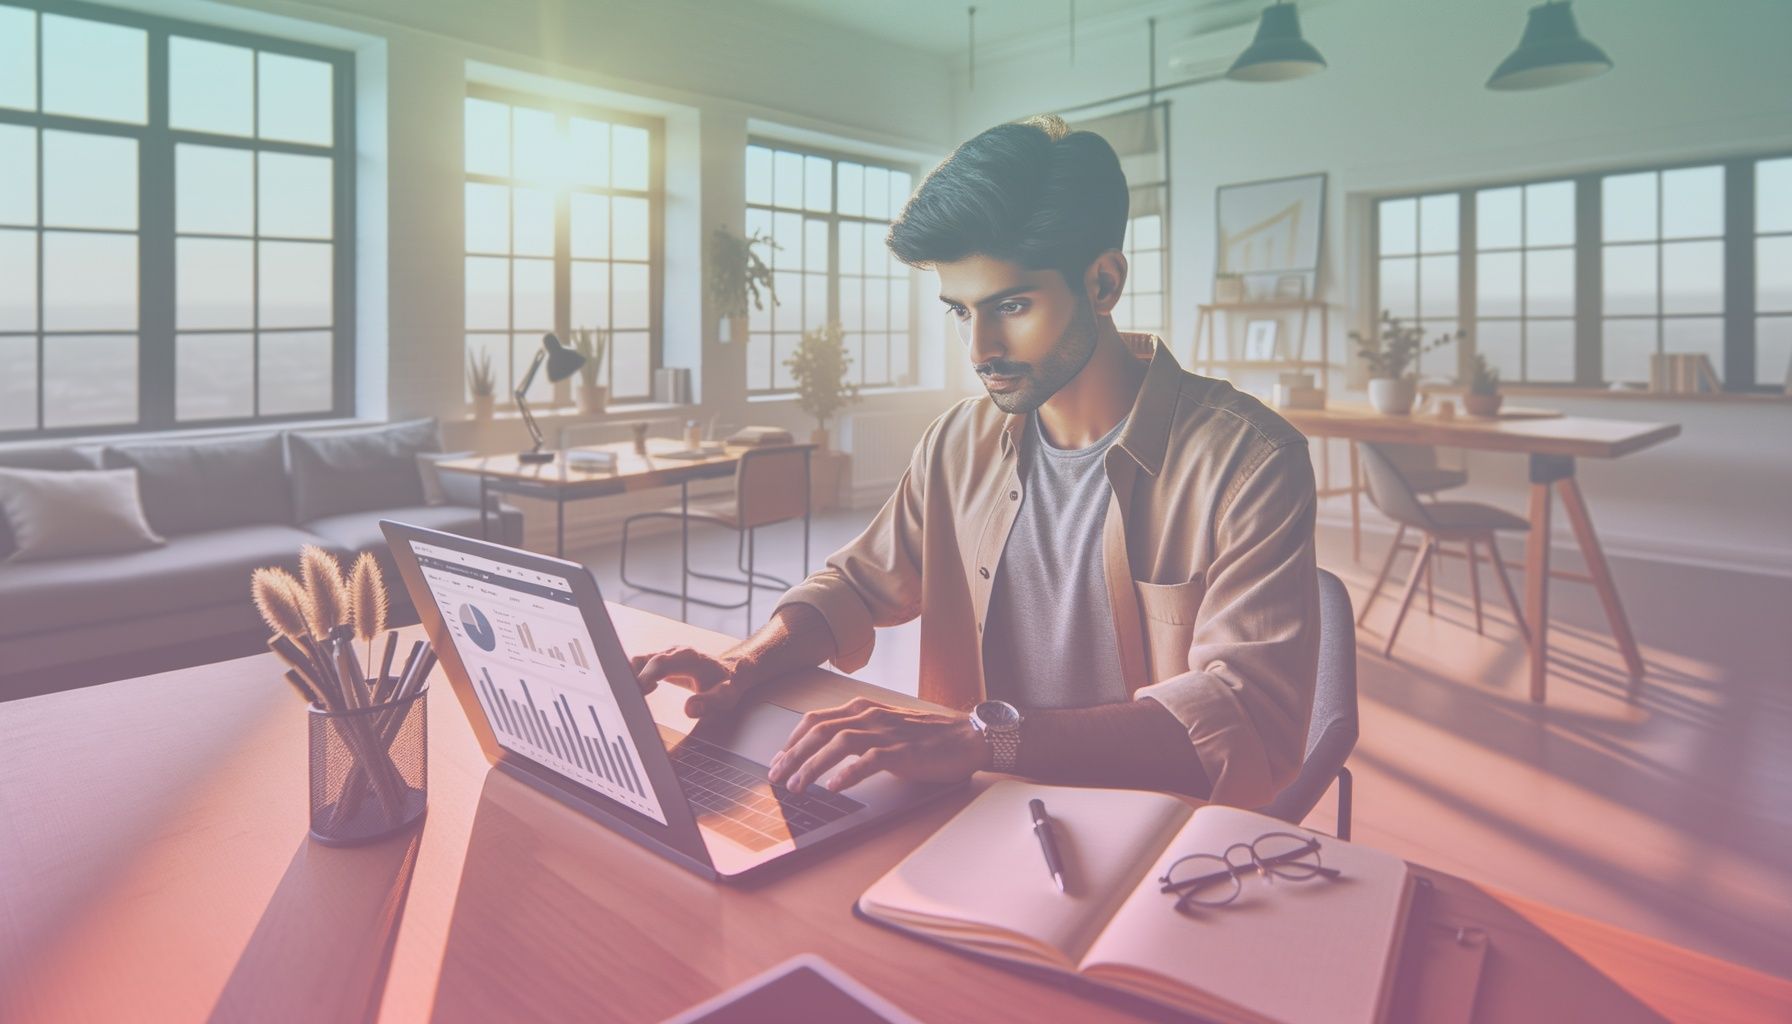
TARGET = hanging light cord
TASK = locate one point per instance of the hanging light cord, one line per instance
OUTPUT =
(972, 29)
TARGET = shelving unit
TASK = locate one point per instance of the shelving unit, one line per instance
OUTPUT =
(1214, 319)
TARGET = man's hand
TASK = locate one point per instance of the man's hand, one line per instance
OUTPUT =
(921, 745)
(719, 682)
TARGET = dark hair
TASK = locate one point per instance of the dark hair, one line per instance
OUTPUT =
(1033, 193)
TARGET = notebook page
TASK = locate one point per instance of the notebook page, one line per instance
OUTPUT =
(981, 879)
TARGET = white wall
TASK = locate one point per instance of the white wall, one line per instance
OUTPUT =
(1403, 106)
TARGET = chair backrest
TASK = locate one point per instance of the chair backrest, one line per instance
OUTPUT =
(1332, 731)
(1388, 488)
(771, 486)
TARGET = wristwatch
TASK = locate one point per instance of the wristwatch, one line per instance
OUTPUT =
(999, 723)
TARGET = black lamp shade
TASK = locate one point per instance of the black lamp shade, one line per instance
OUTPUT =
(1551, 52)
(1278, 53)
(563, 362)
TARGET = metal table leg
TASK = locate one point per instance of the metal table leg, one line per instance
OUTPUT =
(808, 505)
(684, 548)
(485, 530)
(560, 523)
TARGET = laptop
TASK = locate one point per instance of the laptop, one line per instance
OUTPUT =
(533, 657)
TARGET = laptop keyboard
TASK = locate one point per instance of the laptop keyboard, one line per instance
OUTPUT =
(733, 796)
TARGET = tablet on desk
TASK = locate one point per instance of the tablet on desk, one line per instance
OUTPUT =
(803, 988)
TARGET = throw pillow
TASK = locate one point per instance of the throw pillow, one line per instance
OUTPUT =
(207, 484)
(359, 470)
(434, 493)
(69, 513)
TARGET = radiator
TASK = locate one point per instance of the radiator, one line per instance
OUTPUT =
(881, 444)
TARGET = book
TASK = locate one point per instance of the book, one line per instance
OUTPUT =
(1284, 950)
(760, 436)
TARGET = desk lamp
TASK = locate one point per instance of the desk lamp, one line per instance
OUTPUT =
(562, 363)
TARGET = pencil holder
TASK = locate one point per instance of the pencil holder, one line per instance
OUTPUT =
(369, 770)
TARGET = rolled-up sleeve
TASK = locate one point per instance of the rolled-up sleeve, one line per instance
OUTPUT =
(1248, 692)
(876, 579)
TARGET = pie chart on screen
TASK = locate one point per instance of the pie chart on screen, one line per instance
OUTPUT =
(478, 628)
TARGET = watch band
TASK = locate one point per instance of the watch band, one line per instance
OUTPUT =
(1005, 747)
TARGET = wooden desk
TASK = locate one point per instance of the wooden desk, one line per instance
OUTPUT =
(154, 866)
(1552, 444)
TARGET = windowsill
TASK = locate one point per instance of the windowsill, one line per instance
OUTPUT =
(611, 413)
(185, 433)
(905, 389)
(1571, 391)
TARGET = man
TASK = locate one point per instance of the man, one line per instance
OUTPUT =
(1112, 558)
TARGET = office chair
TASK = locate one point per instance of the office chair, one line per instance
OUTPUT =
(1331, 734)
(770, 486)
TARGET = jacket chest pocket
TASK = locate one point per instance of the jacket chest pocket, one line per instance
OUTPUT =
(1168, 611)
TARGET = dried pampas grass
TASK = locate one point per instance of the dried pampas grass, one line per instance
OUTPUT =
(367, 600)
(280, 600)
(326, 601)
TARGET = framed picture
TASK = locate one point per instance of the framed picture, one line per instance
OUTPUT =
(1260, 340)
(1228, 288)
(1291, 286)
(1269, 231)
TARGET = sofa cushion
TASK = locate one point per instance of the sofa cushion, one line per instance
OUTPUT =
(358, 470)
(207, 484)
(190, 571)
(66, 513)
(356, 532)
(42, 456)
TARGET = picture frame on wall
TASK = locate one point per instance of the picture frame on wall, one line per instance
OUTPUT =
(1268, 231)
(1260, 341)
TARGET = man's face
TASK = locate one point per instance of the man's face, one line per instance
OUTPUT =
(1027, 332)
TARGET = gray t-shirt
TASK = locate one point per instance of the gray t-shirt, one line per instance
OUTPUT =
(1049, 638)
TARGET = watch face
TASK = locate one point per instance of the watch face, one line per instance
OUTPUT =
(997, 714)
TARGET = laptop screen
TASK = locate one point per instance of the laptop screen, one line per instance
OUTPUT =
(532, 663)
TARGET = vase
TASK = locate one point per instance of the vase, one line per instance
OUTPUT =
(819, 438)
(1392, 396)
(1482, 405)
(483, 406)
(592, 398)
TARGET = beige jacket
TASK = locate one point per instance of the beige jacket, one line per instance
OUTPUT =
(1208, 548)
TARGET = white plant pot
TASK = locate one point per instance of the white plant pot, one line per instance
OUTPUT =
(593, 399)
(483, 406)
(1393, 396)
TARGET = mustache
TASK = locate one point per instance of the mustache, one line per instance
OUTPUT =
(1000, 368)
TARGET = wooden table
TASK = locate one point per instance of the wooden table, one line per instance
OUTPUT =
(154, 866)
(1552, 444)
(560, 482)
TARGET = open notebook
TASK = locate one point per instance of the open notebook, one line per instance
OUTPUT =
(1287, 951)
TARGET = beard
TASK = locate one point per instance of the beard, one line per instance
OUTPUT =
(1037, 383)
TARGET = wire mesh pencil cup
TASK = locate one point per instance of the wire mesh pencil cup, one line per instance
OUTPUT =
(369, 770)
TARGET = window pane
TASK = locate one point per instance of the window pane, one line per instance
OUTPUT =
(1399, 281)
(1549, 351)
(1498, 340)
(1440, 363)
(1692, 202)
(788, 287)
(591, 295)
(1549, 213)
(787, 232)
(1627, 346)
(1773, 274)
(1630, 279)
(783, 346)
(90, 282)
(211, 88)
(1549, 283)
(295, 284)
(818, 184)
(1497, 288)
(588, 151)
(899, 361)
(90, 181)
(214, 283)
(488, 137)
(1697, 336)
(632, 374)
(90, 381)
(1692, 277)
(630, 304)
(18, 70)
(1438, 221)
(629, 167)
(630, 239)
(1437, 286)
(1773, 195)
(214, 376)
(899, 304)
(296, 367)
(1146, 273)
(18, 281)
(1497, 212)
(18, 379)
(877, 193)
(900, 185)
(534, 227)
(294, 96)
(295, 195)
(214, 190)
(93, 69)
(488, 218)
(759, 175)
(1148, 231)
(877, 258)
(852, 189)
(855, 357)
(815, 300)
(532, 295)
(1628, 207)
(787, 179)
(1773, 351)
(877, 304)
(590, 225)
(488, 293)
(852, 302)
(815, 245)
(18, 174)
(759, 362)
(1399, 229)
(852, 241)
(877, 359)
(535, 146)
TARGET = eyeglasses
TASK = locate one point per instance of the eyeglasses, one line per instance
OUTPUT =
(1206, 880)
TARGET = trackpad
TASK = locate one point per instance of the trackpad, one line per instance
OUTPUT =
(757, 733)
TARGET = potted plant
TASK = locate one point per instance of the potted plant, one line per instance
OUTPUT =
(1481, 395)
(736, 275)
(483, 383)
(591, 343)
(819, 367)
(1391, 357)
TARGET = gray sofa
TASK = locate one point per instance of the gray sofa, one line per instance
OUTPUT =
(225, 505)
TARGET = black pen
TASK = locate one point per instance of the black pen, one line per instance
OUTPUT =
(1042, 827)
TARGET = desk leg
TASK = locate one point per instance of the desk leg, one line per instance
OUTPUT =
(1545, 470)
(1356, 507)
(1575, 505)
(808, 505)
(560, 524)
(485, 530)
(684, 549)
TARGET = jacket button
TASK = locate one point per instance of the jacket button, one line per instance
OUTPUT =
(1013, 495)
(983, 572)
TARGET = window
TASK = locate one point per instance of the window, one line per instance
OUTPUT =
(827, 216)
(563, 209)
(171, 199)
(1140, 137)
(1584, 280)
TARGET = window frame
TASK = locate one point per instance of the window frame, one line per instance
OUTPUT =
(834, 217)
(1739, 314)
(157, 330)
